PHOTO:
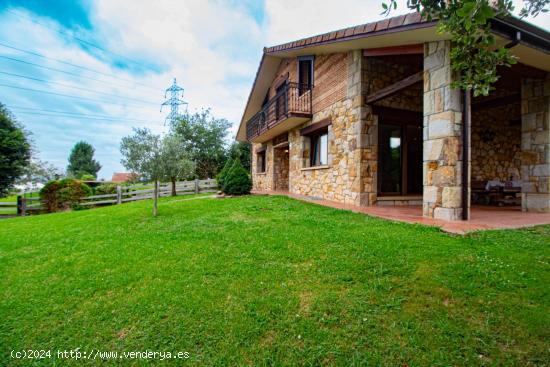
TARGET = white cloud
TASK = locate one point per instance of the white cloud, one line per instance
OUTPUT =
(210, 47)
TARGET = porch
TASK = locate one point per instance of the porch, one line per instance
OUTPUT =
(481, 217)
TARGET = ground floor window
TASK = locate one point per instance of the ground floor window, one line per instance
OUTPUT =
(261, 164)
(319, 149)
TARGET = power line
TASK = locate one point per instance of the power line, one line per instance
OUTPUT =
(79, 39)
(79, 117)
(75, 65)
(59, 70)
(70, 114)
(79, 88)
(57, 94)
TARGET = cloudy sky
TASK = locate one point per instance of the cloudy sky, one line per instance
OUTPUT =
(89, 70)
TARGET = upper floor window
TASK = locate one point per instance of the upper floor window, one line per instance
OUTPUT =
(305, 73)
(319, 148)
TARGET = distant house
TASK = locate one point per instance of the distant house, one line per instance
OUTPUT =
(123, 177)
(366, 116)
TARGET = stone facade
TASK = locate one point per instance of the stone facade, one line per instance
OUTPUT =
(496, 143)
(535, 144)
(502, 148)
(337, 96)
(442, 136)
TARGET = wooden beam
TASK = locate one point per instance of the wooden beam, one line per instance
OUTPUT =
(398, 115)
(316, 126)
(522, 70)
(417, 49)
(496, 102)
(394, 88)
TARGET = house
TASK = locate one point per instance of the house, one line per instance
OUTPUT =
(366, 116)
(123, 177)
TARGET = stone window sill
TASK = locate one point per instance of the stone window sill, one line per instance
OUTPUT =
(261, 173)
(314, 168)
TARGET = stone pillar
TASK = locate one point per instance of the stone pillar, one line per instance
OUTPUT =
(364, 147)
(442, 167)
(535, 145)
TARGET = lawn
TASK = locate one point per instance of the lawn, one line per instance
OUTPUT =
(272, 281)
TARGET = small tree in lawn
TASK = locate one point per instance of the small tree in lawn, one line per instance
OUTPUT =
(220, 177)
(237, 181)
(142, 153)
(177, 164)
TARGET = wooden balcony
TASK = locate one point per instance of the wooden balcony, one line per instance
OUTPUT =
(290, 108)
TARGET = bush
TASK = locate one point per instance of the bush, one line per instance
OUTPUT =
(220, 177)
(87, 177)
(63, 194)
(237, 181)
(104, 189)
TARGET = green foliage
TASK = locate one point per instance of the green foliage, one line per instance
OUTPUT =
(38, 171)
(81, 161)
(237, 181)
(63, 194)
(87, 177)
(15, 151)
(177, 163)
(203, 136)
(241, 150)
(474, 55)
(106, 188)
(220, 177)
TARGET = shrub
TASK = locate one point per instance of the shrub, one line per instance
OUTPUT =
(237, 181)
(104, 189)
(63, 194)
(87, 177)
(220, 177)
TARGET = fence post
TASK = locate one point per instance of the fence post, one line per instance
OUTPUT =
(196, 185)
(21, 206)
(118, 194)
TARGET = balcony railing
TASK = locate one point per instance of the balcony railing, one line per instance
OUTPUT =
(294, 100)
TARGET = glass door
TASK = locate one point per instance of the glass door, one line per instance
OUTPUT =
(390, 157)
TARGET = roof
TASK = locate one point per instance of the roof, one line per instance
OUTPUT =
(123, 176)
(396, 31)
(384, 25)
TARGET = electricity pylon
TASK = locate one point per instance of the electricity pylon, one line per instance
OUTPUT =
(175, 100)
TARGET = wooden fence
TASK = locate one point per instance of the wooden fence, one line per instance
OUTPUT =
(124, 194)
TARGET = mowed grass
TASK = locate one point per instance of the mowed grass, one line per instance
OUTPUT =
(271, 281)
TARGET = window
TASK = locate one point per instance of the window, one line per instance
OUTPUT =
(260, 162)
(319, 149)
(305, 74)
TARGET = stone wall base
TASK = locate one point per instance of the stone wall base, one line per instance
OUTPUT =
(538, 203)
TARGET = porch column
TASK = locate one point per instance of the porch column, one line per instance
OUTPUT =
(363, 138)
(535, 145)
(442, 167)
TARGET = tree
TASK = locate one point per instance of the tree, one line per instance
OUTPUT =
(177, 164)
(474, 55)
(237, 181)
(38, 171)
(220, 177)
(204, 138)
(142, 154)
(15, 150)
(156, 158)
(241, 151)
(81, 160)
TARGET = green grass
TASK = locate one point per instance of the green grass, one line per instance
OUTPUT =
(272, 281)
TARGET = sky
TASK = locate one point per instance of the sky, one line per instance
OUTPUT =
(92, 70)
